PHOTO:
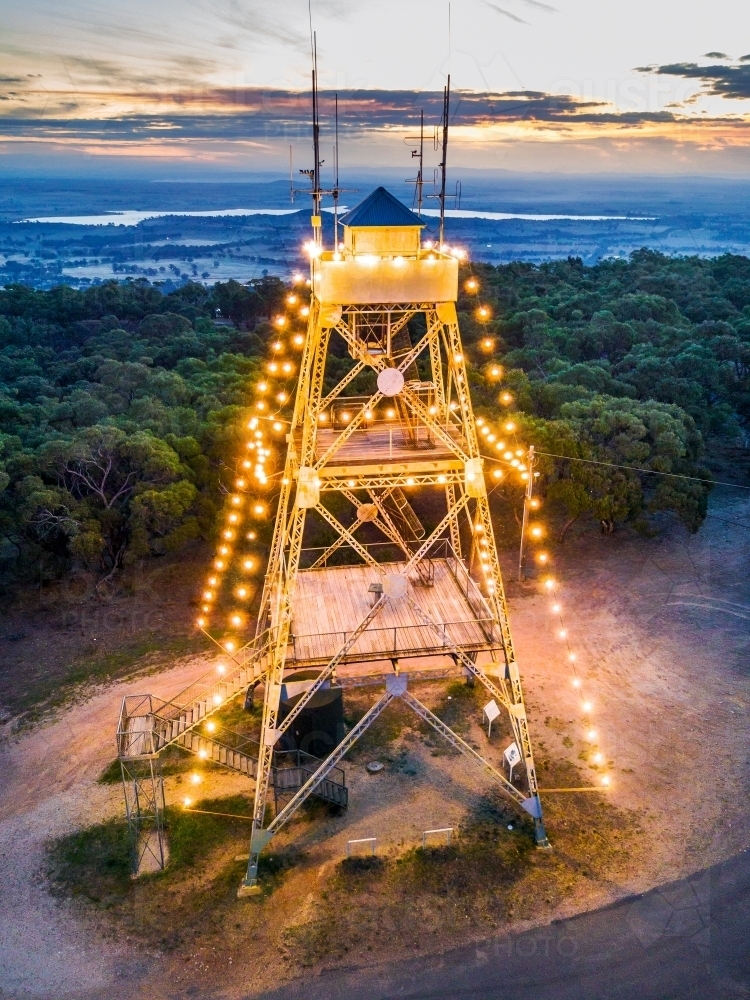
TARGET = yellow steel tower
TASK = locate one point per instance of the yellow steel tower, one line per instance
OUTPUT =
(417, 609)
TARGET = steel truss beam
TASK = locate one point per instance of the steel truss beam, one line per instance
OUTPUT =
(455, 741)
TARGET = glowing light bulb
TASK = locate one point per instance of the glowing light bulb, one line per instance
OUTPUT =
(304, 311)
(597, 758)
(368, 414)
(497, 474)
(203, 754)
(259, 509)
(236, 620)
(322, 417)
(217, 699)
(549, 584)
(291, 299)
(201, 623)
(587, 706)
(219, 563)
(286, 367)
(278, 426)
(251, 536)
(536, 532)
(542, 558)
(390, 414)
(556, 608)
(187, 803)
(510, 426)
(483, 312)
(247, 564)
(207, 595)
(471, 285)
(281, 397)
(605, 780)
(280, 321)
(572, 657)
(299, 340)
(591, 735)
(345, 417)
(220, 668)
(211, 727)
(506, 398)
(242, 592)
(487, 344)
(196, 779)
(562, 633)
(277, 346)
(458, 358)
(576, 683)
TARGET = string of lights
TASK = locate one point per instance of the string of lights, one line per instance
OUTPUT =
(515, 457)
(236, 559)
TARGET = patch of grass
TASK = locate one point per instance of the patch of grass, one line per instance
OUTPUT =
(46, 692)
(198, 888)
(234, 717)
(487, 876)
(174, 760)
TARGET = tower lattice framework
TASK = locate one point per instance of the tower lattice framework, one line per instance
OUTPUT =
(410, 606)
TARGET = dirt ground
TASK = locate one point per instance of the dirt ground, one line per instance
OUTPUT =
(660, 627)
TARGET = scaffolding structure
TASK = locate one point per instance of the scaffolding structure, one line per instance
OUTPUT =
(408, 605)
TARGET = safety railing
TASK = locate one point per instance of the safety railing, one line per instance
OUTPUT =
(398, 640)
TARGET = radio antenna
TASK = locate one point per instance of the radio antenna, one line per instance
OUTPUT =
(335, 191)
(444, 162)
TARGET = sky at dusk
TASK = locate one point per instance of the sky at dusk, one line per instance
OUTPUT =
(180, 86)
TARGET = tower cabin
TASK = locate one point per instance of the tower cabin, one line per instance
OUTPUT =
(383, 259)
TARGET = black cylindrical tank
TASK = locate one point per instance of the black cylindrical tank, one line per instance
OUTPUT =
(319, 727)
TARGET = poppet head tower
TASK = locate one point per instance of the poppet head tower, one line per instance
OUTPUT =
(395, 433)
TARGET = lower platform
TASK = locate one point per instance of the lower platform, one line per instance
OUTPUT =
(330, 602)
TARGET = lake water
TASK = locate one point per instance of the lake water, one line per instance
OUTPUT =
(133, 218)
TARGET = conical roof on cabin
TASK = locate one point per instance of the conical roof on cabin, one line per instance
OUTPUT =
(381, 209)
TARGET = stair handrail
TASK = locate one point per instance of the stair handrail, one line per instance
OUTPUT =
(209, 684)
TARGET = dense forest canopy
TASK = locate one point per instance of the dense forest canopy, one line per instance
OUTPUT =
(121, 407)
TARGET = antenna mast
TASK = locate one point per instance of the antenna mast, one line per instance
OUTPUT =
(420, 178)
(335, 191)
(316, 191)
(444, 162)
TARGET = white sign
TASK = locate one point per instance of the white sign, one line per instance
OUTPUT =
(512, 757)
(491, 712)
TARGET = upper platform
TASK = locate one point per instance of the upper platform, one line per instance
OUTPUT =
(369, 279)
(381, 259)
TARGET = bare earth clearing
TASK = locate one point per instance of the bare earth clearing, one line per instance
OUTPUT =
(661, 627)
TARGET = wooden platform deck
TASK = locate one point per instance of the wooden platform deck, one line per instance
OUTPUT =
(329, 603)
(383, 447)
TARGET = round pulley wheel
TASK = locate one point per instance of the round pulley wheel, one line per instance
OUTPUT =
(367, 512)
(390, 381)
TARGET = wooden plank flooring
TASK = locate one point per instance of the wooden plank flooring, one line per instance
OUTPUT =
(380, 444)
(330, 602)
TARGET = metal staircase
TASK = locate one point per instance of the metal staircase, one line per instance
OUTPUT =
(148, 725)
